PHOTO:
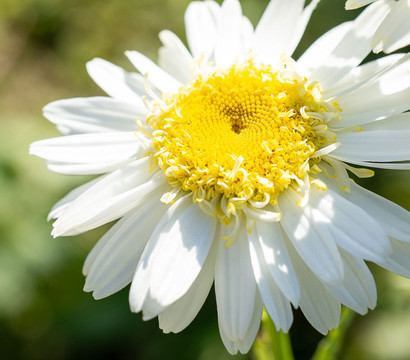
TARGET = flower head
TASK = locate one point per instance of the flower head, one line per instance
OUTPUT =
(227, 164)
(394, 31)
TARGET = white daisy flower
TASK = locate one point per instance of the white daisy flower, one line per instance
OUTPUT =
(394, 31)
(228, 163)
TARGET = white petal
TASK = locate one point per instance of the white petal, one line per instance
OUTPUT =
(174, 57)
(110, 198)
(181, 253)
(275, 29)
(235, 287)
(399, 260)
(156, 76)
(397, 122)
(358, 291)
(180, 314)
(88, 148)
(116, 262)
(201, 19)
(361, 74)
(272, 242)
(352, 228)
(322, 47)
(140, 288)
(377, 145)
(355, 4)
(309, 234)
(320, 308)
(229, 45)
(94, 114)
(244, 345)
(394, 31)
(117, 82)
(352, 48)
(393, 219)
(383, 96)
(276, 304)
(62, 204)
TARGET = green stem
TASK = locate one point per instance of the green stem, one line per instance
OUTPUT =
(329, 347)
(272, 344)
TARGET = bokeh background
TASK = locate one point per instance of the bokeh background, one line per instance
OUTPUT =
(44, 314)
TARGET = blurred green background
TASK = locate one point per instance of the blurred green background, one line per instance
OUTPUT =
(44, 314)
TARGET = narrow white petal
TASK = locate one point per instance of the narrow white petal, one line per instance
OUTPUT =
(377, 145)
(181, 255)
(140, 288)
(394, 31)
(235, 287)
(62, 204)
(272, 242)
(393, 219)
(117, 82)
(88, 148)
(358, 291)
(174, 57)
(322, 47)
(352, 228)
(320, 308)
(312, 239)
(276, 304)
(399, 260)
(352, 48)
(275, 30)
(115, 264)
(360, 75)
(94, 114)
(244, 345)
(228, 45)
(384, 96)
(110, 198)
(180, 314)
(355, 4)
(201, 19)
(399, 122)
(156, 76)
(86, 169)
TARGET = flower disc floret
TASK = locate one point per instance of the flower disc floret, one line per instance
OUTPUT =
(246, 133)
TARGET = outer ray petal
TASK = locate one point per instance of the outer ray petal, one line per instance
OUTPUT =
(276, 29)
(181, 254)
(272, 242)
(110, 198)
(235, 287)
(116, 262)
(311, 238)
(320, 308)
(394, 220)
(140, 298)
(201, 19)
(180, 314)
(276, 304)
(94, 115)
(358, 291)
(117, 82)
(156, 76)
(174, 57)
(352, 48)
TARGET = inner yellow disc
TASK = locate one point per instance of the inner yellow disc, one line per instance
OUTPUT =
(244, 132)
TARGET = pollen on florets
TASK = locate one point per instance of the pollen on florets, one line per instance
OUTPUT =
(244, 134)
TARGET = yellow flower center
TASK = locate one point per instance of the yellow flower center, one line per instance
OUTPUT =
(245, 133)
